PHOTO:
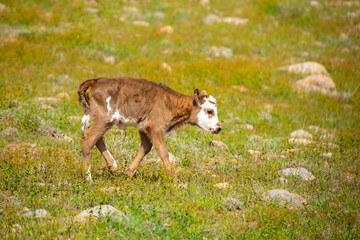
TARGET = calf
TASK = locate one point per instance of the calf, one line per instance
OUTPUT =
(153, 108)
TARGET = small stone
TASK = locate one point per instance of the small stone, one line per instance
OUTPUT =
(233, 204)
(239, 88)
(283, 197)
(308, 68)
(218, 144)
(315, 3)
(301, 134)
(327, 155)
(223, 185)
(167, 29)
(248, 126)
(317, 83)
(300, 172)
(254, 152)
(166, 67)
(215, 51)
(3, 7)
(25, 210)
(99, 212)
(109, 59)
(141, 23)
(91, 10)
(130, 9)
(159, 15)
(283, 180)
(343, 37)
(63, 95)
(205, 3)
(40, 184)
(40, 213)
(212, 18)
(235, 21)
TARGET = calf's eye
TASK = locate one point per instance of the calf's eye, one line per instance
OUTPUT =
(210, 112)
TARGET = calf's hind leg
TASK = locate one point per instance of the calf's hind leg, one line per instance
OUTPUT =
(90, 137)
(111, 163)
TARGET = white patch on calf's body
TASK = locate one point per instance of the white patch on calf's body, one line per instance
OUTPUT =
(123, 122)
(206, 122)
(85, 122)
(108, 104)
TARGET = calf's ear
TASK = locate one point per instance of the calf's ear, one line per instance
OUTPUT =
(203, 93)
(196, 97)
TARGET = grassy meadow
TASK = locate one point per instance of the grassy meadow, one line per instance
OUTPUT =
(47, 48)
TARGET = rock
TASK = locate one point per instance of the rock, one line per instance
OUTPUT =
(159, 15)
(40, 213)
(167, 29)
(141, 23)
(99, 212)
(91, 10)
(25, 210)
(308, 68)
(63, 95)
(130, 9)
(47, 102)
(248, 126)
(3, 7)
(327, 155)
(315, 3)
(284, 198)
(220, 52)
(317, 83)
(223, 185)
(233, 204)
(219, 144)
(254, 152)
(40, 184)
(300, 172)
(212, 18)
(235, 21)
(166, 67)
(205, 3)
(283, 180)
(10, 132)
(302, 141)
(301, 134)
(239, 88)
(109, 59)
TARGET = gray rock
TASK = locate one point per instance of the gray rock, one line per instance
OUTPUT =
(232, 204)
(102, 211)
(39, 213)
(301, 134)
(221, 51)
(308, 68)
(218, 144)
(212, 18)
(300, 172)
(284, 198)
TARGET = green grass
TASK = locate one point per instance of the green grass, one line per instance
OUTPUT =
(50, 47)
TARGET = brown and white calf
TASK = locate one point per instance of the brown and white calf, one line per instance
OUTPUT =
(153, 108)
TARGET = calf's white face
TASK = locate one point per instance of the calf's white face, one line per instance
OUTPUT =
(208, 117)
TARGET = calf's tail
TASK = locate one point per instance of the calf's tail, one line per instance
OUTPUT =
(84, 100)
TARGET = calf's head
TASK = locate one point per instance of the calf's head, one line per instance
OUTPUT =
(207, 116)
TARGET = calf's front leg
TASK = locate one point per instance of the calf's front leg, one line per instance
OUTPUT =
(157, 139)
